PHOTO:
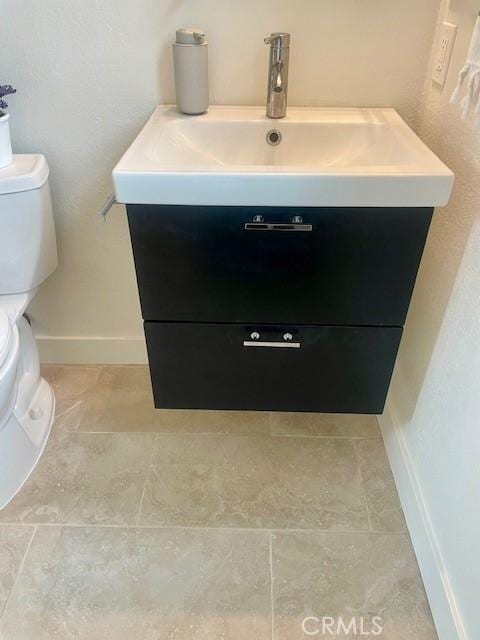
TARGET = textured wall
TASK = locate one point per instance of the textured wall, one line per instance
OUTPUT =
(89, 73)
(436, 387)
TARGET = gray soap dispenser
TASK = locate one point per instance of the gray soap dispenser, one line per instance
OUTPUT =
(190, 62)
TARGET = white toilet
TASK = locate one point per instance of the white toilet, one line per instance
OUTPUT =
(28, 255)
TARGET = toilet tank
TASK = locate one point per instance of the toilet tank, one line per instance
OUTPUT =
(28, 248)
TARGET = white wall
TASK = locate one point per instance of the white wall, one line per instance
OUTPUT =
(432, 426)
(89, 73)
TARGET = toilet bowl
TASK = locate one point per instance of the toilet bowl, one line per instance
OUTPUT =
(9, 352)
(27, 407)
(28, 255)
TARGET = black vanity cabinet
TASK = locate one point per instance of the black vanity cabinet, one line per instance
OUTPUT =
(289, 309)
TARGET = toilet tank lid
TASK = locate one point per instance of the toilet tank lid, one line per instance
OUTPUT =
(27, 172)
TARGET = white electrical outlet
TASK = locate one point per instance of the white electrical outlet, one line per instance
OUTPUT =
(446, 40)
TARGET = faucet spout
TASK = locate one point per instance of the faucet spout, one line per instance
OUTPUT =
(278, 74)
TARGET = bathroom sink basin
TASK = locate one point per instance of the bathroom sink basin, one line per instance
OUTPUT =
(324, 157)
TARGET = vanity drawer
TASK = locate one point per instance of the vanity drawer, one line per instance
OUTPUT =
(214, 264)
(330, 369)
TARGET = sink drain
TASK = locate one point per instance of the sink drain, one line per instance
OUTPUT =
(274, 137)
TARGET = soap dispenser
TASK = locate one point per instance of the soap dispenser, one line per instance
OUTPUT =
(190, 61)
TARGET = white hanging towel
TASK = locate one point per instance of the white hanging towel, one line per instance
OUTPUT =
(470, 75)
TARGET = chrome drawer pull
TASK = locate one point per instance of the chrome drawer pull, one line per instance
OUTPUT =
(277, 226)
(276, 345)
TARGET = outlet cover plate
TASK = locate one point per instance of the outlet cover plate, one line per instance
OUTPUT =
(443, 54)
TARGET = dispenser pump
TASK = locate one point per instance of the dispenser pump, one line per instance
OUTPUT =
(191, 36)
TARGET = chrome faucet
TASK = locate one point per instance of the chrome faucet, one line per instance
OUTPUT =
(278, 74)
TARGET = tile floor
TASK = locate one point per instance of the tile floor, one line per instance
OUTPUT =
(157, 525)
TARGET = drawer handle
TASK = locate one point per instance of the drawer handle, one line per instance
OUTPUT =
(277, 226)
(274, 345)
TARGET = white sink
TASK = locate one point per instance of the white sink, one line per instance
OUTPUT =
(326, 157)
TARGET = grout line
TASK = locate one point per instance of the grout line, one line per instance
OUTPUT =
(147, 477)
(272, 600)
(222, 433)
(20, 569)
(325, 437)
(198, 528)
(116, 433)
(364, 491)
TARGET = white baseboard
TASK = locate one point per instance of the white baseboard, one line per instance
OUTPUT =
(439, 590)
(92, 350)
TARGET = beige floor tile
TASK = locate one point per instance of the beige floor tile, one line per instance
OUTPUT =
(85, 479)
(383, 504)
(260, 482)
(350, 575)
(324, 424)
(72, 386)
(122, 401)
(119, 584)
(14, 543)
